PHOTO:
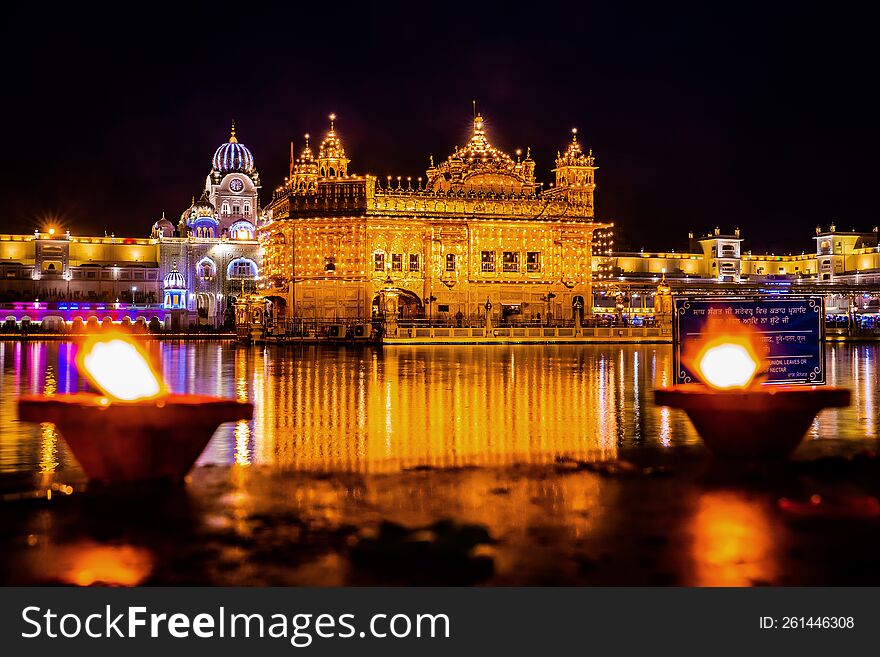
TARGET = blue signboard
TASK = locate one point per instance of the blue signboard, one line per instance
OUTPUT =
(791, 327)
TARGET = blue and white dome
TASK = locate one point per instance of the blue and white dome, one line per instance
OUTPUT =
(233, 156)
(174, 279)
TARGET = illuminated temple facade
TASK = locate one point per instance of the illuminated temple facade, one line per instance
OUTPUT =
(333, 245)
(190, 272)
(476, 232)
(214, 244)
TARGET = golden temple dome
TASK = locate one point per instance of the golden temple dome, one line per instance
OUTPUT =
(480, 152)
(331, 154)
(331, 146)
(479, 166)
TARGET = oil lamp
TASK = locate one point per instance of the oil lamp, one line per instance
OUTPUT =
(735, 415)
(134, 429)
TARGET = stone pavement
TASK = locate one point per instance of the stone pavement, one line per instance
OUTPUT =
(652, 517)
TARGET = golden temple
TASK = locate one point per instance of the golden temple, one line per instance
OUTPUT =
(477, 234)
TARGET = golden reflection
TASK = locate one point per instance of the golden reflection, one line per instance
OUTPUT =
(240, 500)
(50, 385)
(363, 409)
(733, 541)
(48, 432)
(242, 443)
(88, 563)
(48, 448)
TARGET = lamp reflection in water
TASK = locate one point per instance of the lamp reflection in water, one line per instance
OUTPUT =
(87, 563)
(732, 541)
(734, 414)
(136, 429)
(48, 433)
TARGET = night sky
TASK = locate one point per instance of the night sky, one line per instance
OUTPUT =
(759, 118)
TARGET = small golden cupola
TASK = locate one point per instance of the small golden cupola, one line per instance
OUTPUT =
(332, 162)
(305, 169)
(575, 173)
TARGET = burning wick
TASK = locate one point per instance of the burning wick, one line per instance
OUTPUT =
(727, 365)
(120, 370)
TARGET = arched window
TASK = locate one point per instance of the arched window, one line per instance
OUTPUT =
(242, 230)
(206, 269)
(247, 208)
(225, 208)
(242, 268)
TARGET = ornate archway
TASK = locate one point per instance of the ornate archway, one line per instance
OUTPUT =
(397, 302)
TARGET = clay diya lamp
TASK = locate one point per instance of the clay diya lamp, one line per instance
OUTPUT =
(135, 429)
(734, 414)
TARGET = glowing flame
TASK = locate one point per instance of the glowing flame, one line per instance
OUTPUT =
(728, 365)
(731, 357)
(120, 369)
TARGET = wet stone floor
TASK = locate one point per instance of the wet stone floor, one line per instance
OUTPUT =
(673, 517)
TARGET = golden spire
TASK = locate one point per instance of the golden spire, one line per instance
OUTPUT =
(332, 119)
(574, 135)
(232, 139)
(478, 124)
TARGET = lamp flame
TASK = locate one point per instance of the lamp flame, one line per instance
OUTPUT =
(731, 356)
(120, 369)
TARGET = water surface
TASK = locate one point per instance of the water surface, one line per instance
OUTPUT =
(366, 409)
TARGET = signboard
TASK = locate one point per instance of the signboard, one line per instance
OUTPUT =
(792, 328)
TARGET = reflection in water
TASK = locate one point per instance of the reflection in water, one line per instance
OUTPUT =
(733, 541)
(364, 409)
(242, 443)
(87, 563)
(48, 432)
(48, 448)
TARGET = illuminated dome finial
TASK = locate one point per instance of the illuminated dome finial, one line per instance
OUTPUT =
(233, 156)
(331, 154)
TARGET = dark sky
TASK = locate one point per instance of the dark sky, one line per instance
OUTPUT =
(763, 118)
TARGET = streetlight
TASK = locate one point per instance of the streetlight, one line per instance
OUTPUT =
(428, 301)
(547, 298)
(133, 290)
